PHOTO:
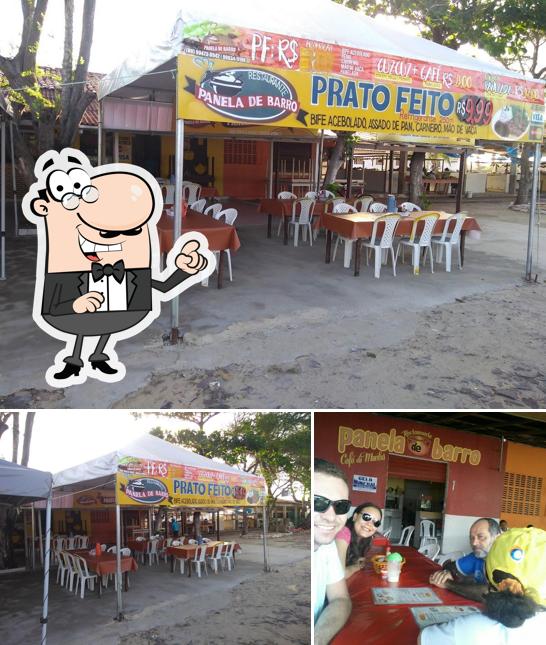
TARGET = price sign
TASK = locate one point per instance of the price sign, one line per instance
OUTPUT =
(474, 110)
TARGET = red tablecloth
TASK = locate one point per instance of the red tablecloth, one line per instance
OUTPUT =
(220, 236)
(106, 563)
(382, 624)
(283, 207)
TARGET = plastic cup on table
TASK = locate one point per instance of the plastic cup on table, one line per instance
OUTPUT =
(393, 570)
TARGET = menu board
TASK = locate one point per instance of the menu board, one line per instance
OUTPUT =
(425, 616)
(404, 596)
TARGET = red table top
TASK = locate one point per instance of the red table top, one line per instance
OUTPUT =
(383, 624)
(106, 563)
(220, 236)
(354, 225)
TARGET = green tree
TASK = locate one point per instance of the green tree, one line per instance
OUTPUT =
(54, 122)
(276, 446)
(511, 31)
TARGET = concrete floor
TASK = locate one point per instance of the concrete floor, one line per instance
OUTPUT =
(156, 597)
(274, 288)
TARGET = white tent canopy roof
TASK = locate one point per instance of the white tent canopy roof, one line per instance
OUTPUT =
(19, 484)
(321, 20)
(144, 447)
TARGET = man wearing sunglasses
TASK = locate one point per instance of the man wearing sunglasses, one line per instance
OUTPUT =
(330, 508)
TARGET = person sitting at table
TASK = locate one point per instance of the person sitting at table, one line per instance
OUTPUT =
(355, 538)
(515, 609)
(330, 508)
(503, 525)
(446, 173)
(466, 576)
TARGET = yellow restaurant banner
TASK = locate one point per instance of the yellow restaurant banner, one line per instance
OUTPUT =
(147, 482)
(235, 74)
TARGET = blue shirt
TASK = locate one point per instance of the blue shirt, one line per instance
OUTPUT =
(470, 565)
(175, 526)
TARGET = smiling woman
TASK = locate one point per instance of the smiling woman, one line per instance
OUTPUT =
(355, 539)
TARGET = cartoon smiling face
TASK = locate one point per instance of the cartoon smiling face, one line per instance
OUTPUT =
(99, 219)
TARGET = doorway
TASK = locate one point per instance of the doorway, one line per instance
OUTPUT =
(415, 492)
(147, 153)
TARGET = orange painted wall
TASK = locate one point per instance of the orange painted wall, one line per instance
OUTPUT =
(526, 460)
(248, 181)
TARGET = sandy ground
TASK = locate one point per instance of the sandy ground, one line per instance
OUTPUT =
(478, 351)
(293, 332)
(242, 606)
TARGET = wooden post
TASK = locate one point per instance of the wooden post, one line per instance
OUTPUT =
(458, 197)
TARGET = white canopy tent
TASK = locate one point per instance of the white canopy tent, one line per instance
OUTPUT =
(102, 471)
(154, 67)
(21, 485)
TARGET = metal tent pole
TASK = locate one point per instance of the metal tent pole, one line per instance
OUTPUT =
(271, 153)
(532, 213)
(43, 619)
(460, 185)
(264, 533)
(319, 168)
(3, 202)
(119, 615)
(41, 545)
(179, 178)
(99, 135)
(33, 556)
(13, 178)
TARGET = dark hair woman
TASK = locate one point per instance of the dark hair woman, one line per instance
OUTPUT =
(355, 538)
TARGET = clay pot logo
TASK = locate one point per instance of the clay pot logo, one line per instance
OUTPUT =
(239, 492)
(146, 490)
(246, 94)
(419, 443)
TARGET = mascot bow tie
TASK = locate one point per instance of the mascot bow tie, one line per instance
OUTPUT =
(117, 270)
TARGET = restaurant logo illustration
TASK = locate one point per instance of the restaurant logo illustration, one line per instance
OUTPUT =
(95, 499)
(98, 275)
(414, 443)
(252, 95)
(146, 490)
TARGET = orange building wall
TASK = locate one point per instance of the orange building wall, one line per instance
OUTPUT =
(526, 460)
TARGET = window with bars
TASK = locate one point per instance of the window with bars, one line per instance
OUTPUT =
(522, 494)
(240, 152)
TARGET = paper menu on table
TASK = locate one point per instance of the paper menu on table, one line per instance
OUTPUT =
(404, 596)
(425, 616)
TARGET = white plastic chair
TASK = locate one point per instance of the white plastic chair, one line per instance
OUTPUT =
(227, 556)
(190, 191)
(71, 542)
(192, 541)
(72, 570)
(84, 576)
(140, 539)
(152, 552)
(408, 207)
(405, 538)
(449, 240)
(388, 532)
(302, 218)
(348, 248)
(103, 547)
(427, 528)
(169, 542)
(230, 215)
(168, 194)
(112, 549)
(213, 210)
(216, 558)
(62, 567)
(199, 205)
(377, 207)
(452, 555)
(362, 204)
(430, 550)
(286, 194)
(383, 245)
(84, 541)
(423, 241)
(312, 194)
(199, 559)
